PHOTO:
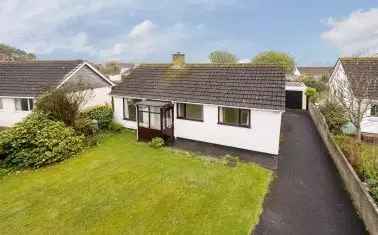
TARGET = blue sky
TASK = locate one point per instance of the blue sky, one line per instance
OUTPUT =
(315, 32)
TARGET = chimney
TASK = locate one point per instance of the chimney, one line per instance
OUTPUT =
(178, 59)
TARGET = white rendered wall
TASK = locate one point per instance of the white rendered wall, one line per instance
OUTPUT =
(369, 123)
(8, 115)
(262, 136)
(118, 114)
(98, 96)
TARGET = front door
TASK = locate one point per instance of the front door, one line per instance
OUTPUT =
(167, 123)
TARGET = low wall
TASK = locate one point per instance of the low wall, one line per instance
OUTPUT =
(362, 201)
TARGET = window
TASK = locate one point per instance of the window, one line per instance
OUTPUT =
(192, 112)
(374, 110)
(1, 104)
(234, 116)
(149, 117)
(24, 104)
(129, 109)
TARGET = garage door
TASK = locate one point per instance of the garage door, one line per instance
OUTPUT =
(294, 99)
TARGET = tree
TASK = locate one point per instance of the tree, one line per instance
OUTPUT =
(222, 57)
(111, 68)
(13, 54)
(311, 93)
(274, 57)
(63, 104)
(353, 96)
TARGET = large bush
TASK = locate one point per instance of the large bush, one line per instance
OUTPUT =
(103, 114)
(334, 115)
(38, 141)
(320, 86)
(364, 159)
(63, 104)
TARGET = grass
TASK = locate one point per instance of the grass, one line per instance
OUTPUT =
(125, 187)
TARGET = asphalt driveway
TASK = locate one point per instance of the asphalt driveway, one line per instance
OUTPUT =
(307, 196)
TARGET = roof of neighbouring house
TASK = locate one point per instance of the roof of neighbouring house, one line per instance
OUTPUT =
(31, 78)
(239, 85)
(362, 69)
(315, 71)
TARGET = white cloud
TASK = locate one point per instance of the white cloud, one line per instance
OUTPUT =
(146, 39)
(51, 28)
(142, 30)
(43, 26)
(357, 34)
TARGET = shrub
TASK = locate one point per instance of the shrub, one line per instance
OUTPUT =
(364, 160)
(311, 93)
(85, 126)
(351, 148)
(38, 141)
(116, 127)
(334, 115)
(103, 114)
(62, 104)
(157, 142)
(314, 83)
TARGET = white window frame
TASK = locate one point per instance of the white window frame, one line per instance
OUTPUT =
(30, 102)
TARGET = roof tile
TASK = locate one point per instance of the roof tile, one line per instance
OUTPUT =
(242, 85)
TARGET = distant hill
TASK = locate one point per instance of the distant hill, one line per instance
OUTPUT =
(8, 53)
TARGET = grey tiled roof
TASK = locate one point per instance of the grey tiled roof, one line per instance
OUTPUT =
(29, 79)
(363, 68)
(240, 85)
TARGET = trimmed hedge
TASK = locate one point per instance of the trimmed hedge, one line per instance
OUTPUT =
(38, 141)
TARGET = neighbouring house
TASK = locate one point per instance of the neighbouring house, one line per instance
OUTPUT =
(316, 72)
(354, 71)
(126, 69)
(22, 82)
(236, 105)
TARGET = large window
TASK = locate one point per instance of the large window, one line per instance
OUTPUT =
(192, 112)
(24, 104)
(374, 110)
(234, 116)
(129, 109)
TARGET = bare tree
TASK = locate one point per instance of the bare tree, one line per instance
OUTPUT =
(64, 104)
(353, 95)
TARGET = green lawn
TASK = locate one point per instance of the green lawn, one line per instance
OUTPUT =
(124, 187)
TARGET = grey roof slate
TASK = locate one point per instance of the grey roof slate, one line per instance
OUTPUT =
(240, 85)
(362, 68)
(31, 78)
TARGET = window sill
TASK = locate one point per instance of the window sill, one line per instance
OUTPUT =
(225, 124)
(23, 111)
(186, 119)
(130, 120)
